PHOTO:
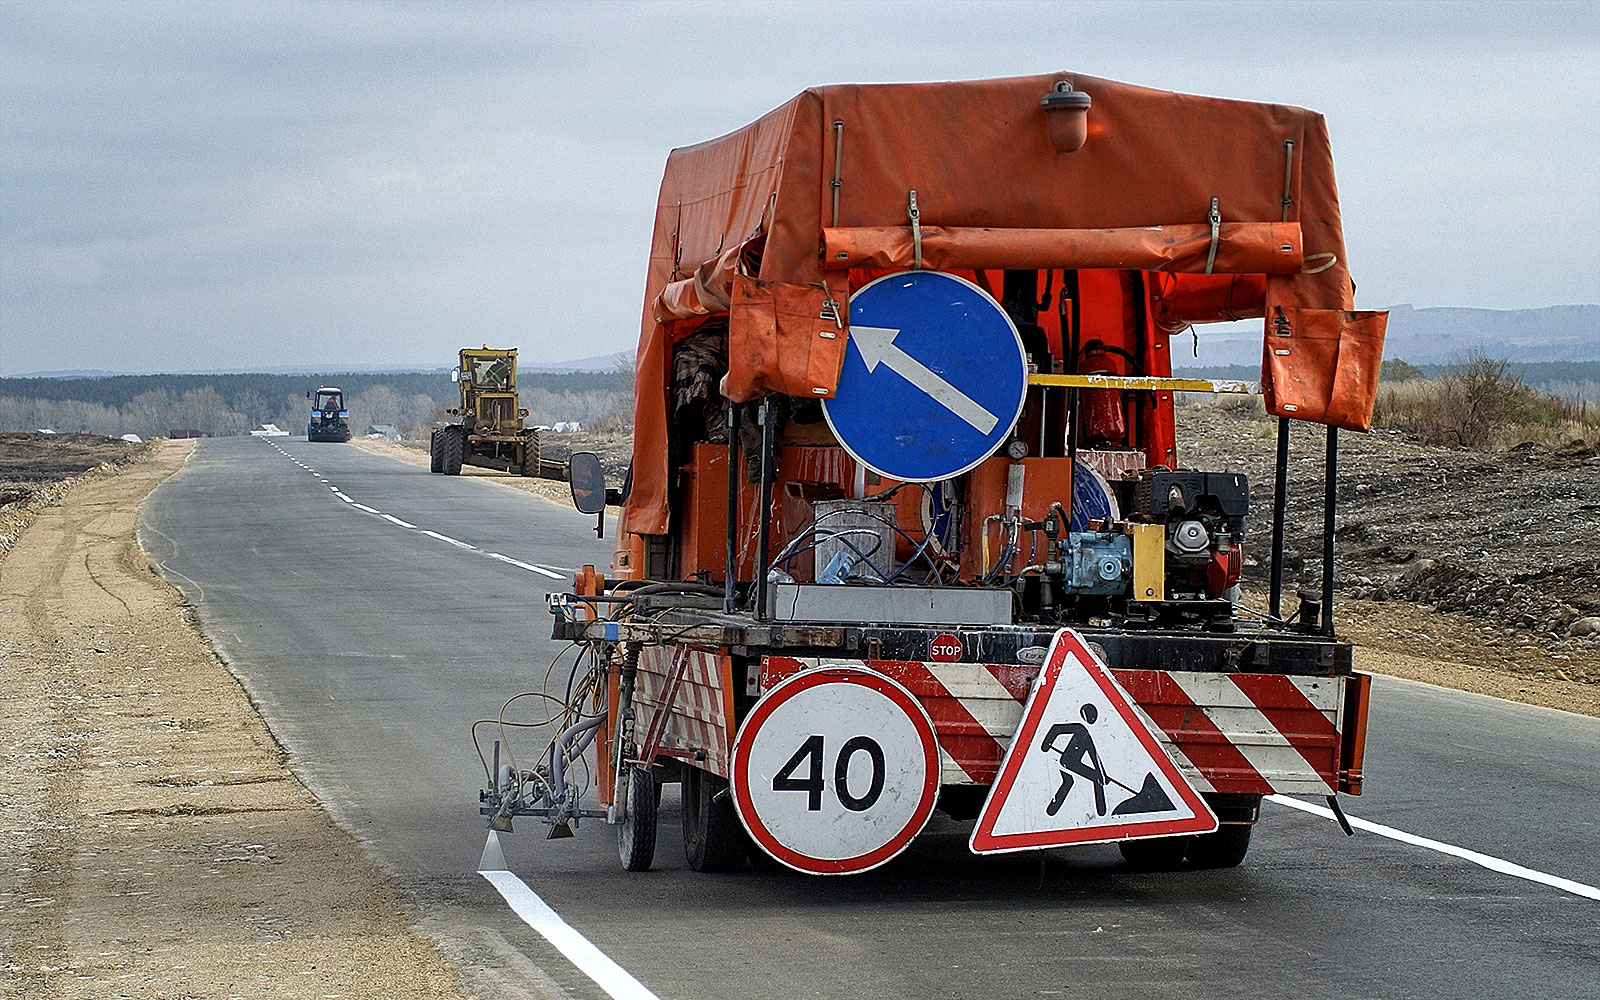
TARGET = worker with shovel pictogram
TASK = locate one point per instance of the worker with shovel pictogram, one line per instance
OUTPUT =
(1079, 758)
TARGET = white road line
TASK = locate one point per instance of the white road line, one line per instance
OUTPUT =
(395, 520)
(447, 538)
(362, 506)
(341, 496)
(1487, 861)
(530, 567)
(579, 950)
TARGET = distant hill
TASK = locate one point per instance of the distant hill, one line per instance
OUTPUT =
(598, 363)
(1445, 334)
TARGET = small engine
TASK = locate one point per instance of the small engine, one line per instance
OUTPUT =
(1204, 514)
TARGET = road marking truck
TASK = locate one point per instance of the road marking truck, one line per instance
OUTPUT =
(909, 527)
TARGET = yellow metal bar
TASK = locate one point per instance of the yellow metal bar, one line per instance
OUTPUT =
(1236, 386)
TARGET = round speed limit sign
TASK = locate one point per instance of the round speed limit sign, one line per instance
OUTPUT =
(835, 770)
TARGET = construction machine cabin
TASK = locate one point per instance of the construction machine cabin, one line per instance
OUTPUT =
(491, 432)
(905, 467)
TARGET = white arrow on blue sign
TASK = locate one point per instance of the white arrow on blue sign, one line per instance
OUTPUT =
(934, 379)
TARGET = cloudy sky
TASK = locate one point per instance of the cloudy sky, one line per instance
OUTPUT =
(237, 186)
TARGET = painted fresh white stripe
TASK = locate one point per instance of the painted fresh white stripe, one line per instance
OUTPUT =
(579, 950)
(446, 538)
(530, 567)
(1488, 861)
(341, 496)
(362, 506)
(395, 520)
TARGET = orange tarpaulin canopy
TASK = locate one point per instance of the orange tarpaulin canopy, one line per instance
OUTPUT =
(753, 224)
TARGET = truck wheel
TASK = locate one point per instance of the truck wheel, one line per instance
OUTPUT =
(453, 451)
(636, 835)
(1222, 849)
(1159, 854)
(530, 455)
(435, 452)
(712, 836)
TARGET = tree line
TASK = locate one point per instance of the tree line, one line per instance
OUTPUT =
(156, 405)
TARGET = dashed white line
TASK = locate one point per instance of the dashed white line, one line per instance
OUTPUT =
(369, 510)
(1490, 862)
(395, 520)
(446, 538)
(530, 567)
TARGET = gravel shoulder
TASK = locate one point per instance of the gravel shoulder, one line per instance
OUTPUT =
(157, 843)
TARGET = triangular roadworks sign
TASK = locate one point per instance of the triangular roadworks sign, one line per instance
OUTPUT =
(1084, 767)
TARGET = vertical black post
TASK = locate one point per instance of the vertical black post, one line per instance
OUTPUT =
(730, 586)
(764, 515)
(1330, 490)
(1280, 501)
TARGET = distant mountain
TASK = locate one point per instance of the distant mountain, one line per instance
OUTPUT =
(598, 363)
(1445, 334)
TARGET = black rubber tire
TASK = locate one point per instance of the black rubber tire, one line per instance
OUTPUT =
(1159, 854)
(530, 456)
(1225, 848)
(636, 834)
(436, 451)
(712, 837)
(454, 450)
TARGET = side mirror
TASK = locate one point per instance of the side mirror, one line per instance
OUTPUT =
(588, 482)
(308, 393)
(455, 374)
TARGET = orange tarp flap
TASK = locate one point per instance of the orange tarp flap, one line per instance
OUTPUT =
(1242, 248)
(793, 324)
(1322, 365)
(979, 157)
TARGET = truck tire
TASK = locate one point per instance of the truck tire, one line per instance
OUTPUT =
(436, 452)
(636, 834)
(1225, 848)
(712, 837)
(453, 451)
(1158, 854)
(530, 455)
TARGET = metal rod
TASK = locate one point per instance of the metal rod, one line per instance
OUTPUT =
(1330, 491)
(730, 586)
(838, 167)
(1280, 501)
(1288, 174)
(764, 515)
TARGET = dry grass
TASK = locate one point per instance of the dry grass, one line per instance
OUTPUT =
(1479, 404)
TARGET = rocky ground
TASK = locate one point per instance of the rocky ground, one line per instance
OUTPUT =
(154, 841)
(1487, 560)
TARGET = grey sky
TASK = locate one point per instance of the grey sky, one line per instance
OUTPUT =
(238, 186)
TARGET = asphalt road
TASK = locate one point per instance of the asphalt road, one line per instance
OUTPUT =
(371, 647)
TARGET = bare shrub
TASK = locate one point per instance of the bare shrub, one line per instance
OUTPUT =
(1477, 403)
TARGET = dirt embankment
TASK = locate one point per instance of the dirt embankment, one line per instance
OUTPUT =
(155, 842)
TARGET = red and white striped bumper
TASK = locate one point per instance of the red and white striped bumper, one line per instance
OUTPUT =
(1234, 733)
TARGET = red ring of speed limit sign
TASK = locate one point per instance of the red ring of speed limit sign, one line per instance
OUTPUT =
(835, 770)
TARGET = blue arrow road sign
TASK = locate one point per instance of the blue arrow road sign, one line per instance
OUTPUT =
(934, 378)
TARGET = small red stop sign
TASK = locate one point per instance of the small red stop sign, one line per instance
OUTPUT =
(944, 649)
